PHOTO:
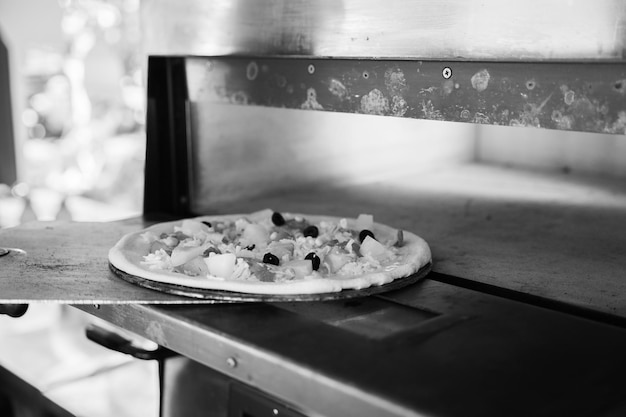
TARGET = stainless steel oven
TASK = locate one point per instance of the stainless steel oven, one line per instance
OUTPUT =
(396, 110)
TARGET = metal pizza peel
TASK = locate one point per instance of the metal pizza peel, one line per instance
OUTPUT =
(67, 262)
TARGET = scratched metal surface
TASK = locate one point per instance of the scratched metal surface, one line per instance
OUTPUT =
(66, 262)
(578, 96)
(445, 29)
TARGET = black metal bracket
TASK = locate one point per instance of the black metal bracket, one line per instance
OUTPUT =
(13, 310)
(119, 343)
(167, 174)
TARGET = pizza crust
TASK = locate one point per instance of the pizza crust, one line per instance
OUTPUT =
(128, 254)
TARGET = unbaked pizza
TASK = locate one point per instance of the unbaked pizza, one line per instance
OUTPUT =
(269, 252)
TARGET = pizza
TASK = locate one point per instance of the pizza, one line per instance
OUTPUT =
(269, 252)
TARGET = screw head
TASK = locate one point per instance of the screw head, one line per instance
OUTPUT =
(447, 73)
(232, 362)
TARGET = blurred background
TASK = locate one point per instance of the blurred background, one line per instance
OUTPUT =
(77, 92)
(72, 145)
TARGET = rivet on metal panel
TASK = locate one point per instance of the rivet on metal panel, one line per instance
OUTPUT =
(4, 251)
(311, 68)
(275, 412)
(96, 306)
(232, 362)
(252, 71)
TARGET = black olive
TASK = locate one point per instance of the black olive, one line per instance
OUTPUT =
(278, 219)
(208, 224)
(209, 251)
(315, 260)
(312, 231)
(365, 233)
(270, 258)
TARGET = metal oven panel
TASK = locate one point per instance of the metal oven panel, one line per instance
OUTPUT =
(568, 96)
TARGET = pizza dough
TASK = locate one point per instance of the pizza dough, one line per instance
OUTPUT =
(389, 256)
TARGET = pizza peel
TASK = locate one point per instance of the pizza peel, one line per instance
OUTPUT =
(66, 262)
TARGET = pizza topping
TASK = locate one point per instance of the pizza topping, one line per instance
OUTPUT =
(280, 235)
(209, 251)
(364, 221)
(158, 244)
(158, 260)
(278, 219)
(254, 234)
(297, 223)
(399, 238)
(148, 237)
(192, 227)
(185, 252)
(272, 247)
(364, 233)
(371, 247)
(194, 267)
(221, 265)
(335, 260)
(315, 260)
(270, 258)
(169, 241)
(176, 235)
(312, 231)
(282, 249)
(262, 272)
(300, 268)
